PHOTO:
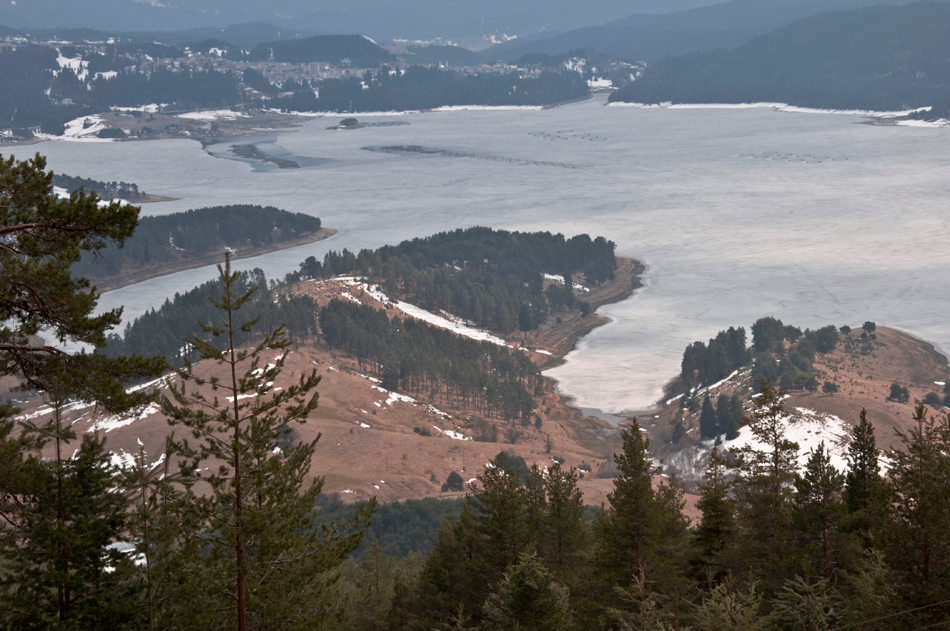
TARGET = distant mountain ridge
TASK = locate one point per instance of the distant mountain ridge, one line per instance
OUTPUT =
(381, 19)
(649, 38)
(879, 58)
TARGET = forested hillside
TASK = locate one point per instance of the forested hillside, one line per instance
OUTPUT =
(778, 545)
(161, 331)
(163, 239)
(494, 278)
(651, 36)
(426, 361)
(880, 58)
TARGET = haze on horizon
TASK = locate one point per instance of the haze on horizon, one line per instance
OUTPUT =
(424, 20)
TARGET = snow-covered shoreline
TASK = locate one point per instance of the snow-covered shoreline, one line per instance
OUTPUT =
(778, 107)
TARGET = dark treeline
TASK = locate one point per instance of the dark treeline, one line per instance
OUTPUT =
(723, 419)
(880, 58)
(779, 545)
(182, 89)
(194, 233)
(791, 367)
(399, 528)
(160, 331)
(494, 278)
(432, 363)
(105, 190)
(783, 354)
(26, 73)
(704, 364)
(424, 88)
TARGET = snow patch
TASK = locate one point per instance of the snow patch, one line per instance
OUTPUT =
(778, 107)
(116, 421)
(485, 108)
(213, 115)
(560, 281)
(595, 84)
(395, 396)
(457, 326)
(242, 396)
(452, 434)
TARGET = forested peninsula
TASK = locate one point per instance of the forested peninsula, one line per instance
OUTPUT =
(169, 243)
(881, 58)
(492, 279)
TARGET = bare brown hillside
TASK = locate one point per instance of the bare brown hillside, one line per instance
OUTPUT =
(377, 443)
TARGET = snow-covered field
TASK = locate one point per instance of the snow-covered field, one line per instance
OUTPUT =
(806, 427)
(82, 129)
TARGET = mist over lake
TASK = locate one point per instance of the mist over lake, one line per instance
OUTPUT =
(737, 213)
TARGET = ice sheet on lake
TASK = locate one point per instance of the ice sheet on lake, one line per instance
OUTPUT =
(726, 240)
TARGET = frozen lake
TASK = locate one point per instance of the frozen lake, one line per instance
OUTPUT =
(737, 213)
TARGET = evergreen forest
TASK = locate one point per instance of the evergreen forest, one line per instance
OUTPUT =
(429, 362)
(195, 233)
(161, 331)
(106, 190)
(493, 278)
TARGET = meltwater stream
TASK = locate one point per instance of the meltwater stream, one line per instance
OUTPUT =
(737, 213)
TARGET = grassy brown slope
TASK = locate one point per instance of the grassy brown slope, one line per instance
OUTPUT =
(391, 461)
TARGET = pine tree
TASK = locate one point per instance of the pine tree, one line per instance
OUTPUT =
(729, 608)
(42, 236)
(863, 477)
(564, 534)
(915, 537)
(804, 606)
(729, 415)
(261, 556)
(764, 490)
(641, 537)
(820, 510)
(528, 599)
(472, 554)
(154, 491)
(717, 530)
(61, 516)
(60, 512)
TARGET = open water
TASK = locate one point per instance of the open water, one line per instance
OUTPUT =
(737, 213)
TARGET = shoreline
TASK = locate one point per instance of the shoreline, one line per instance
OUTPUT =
(561, 339)
(114, 282)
